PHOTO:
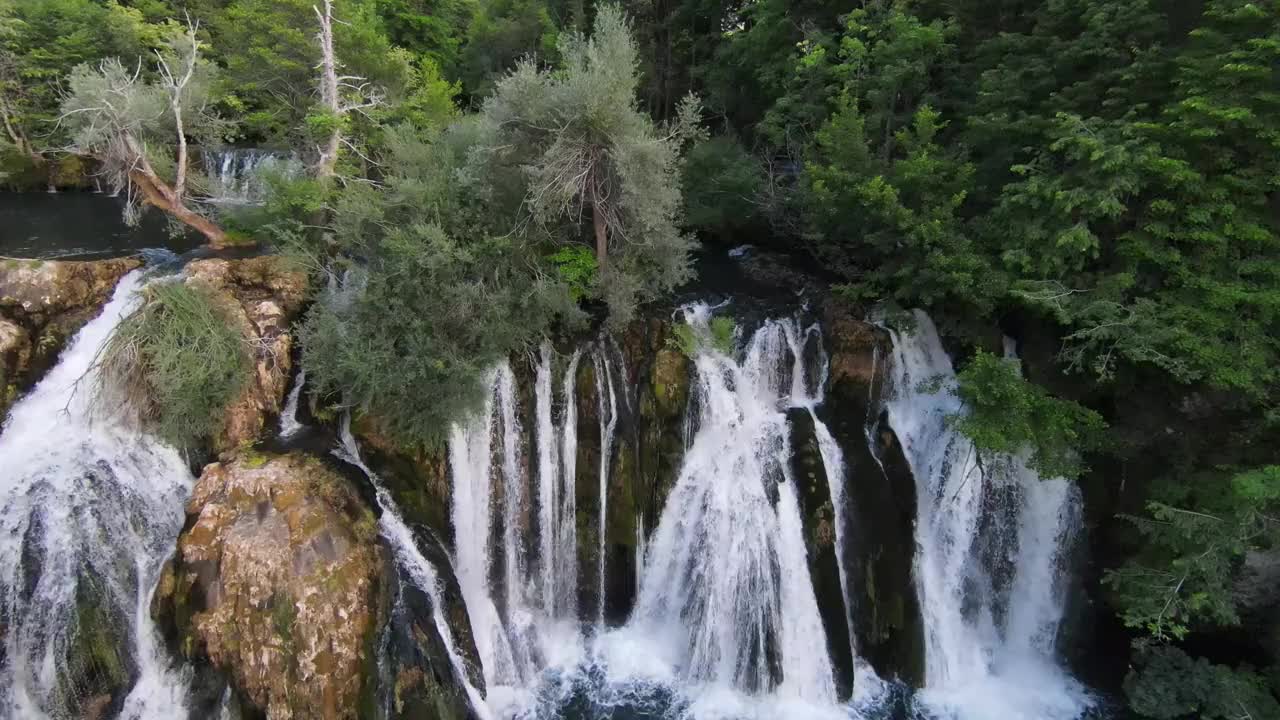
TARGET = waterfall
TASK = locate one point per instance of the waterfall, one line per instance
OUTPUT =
(608, 410)
(418, 569)
(726, 583)
(235, 175)
(557, 502)
(507, 636)
(989, 639)
(289, 424)
(91, 508)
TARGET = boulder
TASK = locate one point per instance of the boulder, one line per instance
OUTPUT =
(263, 295)
(42, 304)
(279, 581)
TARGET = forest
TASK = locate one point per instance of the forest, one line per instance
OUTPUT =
(1099, 178)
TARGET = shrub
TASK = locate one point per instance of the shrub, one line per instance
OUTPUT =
(718, 336)
(176, 362)
(1007, 414)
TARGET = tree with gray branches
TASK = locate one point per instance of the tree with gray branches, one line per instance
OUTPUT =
(585, 147)
(137, 128)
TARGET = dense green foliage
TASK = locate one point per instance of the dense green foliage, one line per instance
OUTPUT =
(1172, 685)
(435, 293)
(1196, 537)
(1006, 414)
(176, 363)
(591, 159)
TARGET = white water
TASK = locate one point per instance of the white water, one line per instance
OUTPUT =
(87, 504)
(725, 615)
(726, 590)
(989, 645)
(421, 573)
(289, 424)
(608, 410)
(557, 480)
(235, 175)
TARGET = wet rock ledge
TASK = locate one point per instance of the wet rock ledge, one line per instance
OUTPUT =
(43, 303)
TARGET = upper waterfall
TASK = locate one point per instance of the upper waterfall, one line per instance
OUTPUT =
(236, 175)
(90, 511)
(990, 637)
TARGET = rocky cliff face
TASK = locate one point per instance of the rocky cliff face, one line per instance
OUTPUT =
(279, 581)
(42, 304)
(265, 295)
(880, 497)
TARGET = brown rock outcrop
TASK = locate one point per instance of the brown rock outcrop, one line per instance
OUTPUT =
(279, 581)
(264, 296)
(42, 304)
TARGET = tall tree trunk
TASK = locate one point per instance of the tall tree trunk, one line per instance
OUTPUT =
(326, 166)
(602, 238)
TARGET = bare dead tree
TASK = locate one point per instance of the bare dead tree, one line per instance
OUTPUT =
(332, 89)
(111, 111)
(177, 86)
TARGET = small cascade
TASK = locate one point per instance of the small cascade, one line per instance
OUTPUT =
(417, 569)
(506, 634)
(607, 398)
(726, 622)
(726, 583)
(289, 424)
(89, 511)
(235, 175)
(989, 634)
(557, 500)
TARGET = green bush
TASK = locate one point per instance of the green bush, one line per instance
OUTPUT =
(176, 362)
(1007, 414)
(722, 181)
(718, 336)
(1169, 684)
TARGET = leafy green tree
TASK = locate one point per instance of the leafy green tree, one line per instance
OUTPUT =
(270, 53)
(1196, 534)
(584, 148)
(501, 34)
(433, 297)
(433, 30)
(1147, 246)
(1169, 684)
(722, 184)
(41, 41)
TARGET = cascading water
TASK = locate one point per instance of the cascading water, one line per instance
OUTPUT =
(726, 584)
(989, 641)
(417, 568)
(91, 508)
(289, 423)
(557, 490)
(504, 643)
(607, 398)
(236, 174)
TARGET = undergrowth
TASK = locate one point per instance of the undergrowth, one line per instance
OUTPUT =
(176, 363)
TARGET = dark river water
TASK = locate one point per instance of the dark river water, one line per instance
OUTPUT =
(80, 225)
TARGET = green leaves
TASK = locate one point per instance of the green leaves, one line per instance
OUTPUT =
(1168, 684)
(1006, 414)
(577, 269)
(1194, 540)
(177, 362)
